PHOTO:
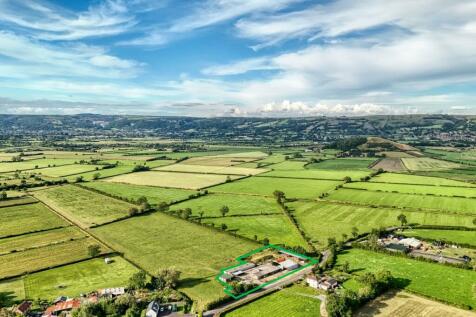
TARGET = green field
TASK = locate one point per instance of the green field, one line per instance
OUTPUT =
(463, 175)
(31, 260)
(211, 169)
(294, 301)
(323, 220)
(155, 195)
(171, 179)
(288, 166)
(437, 281)
(415, 189)
(32, 164)
(83, 206)
(16, 202)
(79, 278)
(39, 239)
(103, 173)
(211, 204)
(456, 236)
(319, 174)
(293, 188)
(158, 241)
(66, 170)
(27, 218)
(277, 228)
(418, 180)
(427, 164)
(463, 157)
(13, 290)
(414, 202)
(343, 164)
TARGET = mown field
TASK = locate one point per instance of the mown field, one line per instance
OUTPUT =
(17, 201)
(66, 170)
(415, 202)
(33, 164)
(83, 206)
(31, 260)
(39, 239)
(159, 241)
(415, 189)
(418, 180)
(154, 195)
(318, 174)
(103, 173)
(79, 278)
(343, 164)
(293, 188)
(323, 220)
(294, 301)
(277, 228)
(456, 236)
(427, 164)
(441, 282)
(12, 291)
(464, 175)
(171, 179)
(390, 165)
(465, 157)
(211, 169)
(211, 204)
(27, 218)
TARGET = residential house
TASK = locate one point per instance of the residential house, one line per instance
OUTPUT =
(65, 306)
(312, 281)
(111, 292)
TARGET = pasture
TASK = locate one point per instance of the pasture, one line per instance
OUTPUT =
(157, 241)
(343, 164)
(102, 173)
(211, 204)
(418, 180)
(27, 218)
(404, 304)
(154, 195)
(83, 206)
(427, 164)
(33, 164)
(79, 278)
(288, 166)
(171, 179)
(293, 301)
(277, 228)
(318, 174)
(12, 291)
(323, 220)
(210, 169)
(415, 189)
(31, 260)
(455, 236)
(17, 201)
(462, 175)
(66, 170)
(265, 186)
(414, 202)
(441, 282)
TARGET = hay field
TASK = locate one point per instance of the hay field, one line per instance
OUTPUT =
(66, 170)
(427, 164)
(210, 169)
(418, 180)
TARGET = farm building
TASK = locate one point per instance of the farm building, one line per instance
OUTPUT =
(111, 292)
(23, 308)
(411, 243)
(325, 283)
(60, 307)
(289, 265)
(312, 281)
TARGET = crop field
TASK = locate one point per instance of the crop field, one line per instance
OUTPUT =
(456, 236)
(390, 165)
(38, 239)
(318, 174)
(31, 260)
(427, 164)
(343, 164)
(294, 301)
(83, 206)
(277, 228)
(414, 202)
(171, 179)
(17, 201)
(159, 241)
(323, 220)
(441, 282)
(211, 204)
(32, 164)
(403, 304)
(79, 278)
(418, 180)
(415, 189)
(27, 218)
(210, 169)
(293, 188)
(154, 195)
(66, 170)
(395, 154)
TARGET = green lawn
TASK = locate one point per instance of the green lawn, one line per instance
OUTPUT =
(294, 301)
(277, 228)
(84, 277)
(155, 195)
(157, 241)
(456, 236)
(415, 202)
(437, 281)
(82, 205)
(211, 204)
(343, 164)
(293, 188)
(27, 218)
(323, 220)
(419, 180)
(415, 189)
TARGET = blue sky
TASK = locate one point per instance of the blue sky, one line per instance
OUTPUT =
(238, 58)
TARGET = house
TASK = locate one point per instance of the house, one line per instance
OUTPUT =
(411, 243)
(23, 308)
(65, 306)
(312, 281)
(111, 292)
(155, 309)
(327, 283)
(289, 265)
(226, 277)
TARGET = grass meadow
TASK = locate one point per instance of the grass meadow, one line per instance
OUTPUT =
(456, 236)
(441, 282)
(12, 291)
(319, 174)
(427, 164)
(83, 206)
(418, 180)
(210, 169)
(33, 164)
(343, 164)
(66, 170)
(157, 241)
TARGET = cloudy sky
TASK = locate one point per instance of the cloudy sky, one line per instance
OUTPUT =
(238, 57)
